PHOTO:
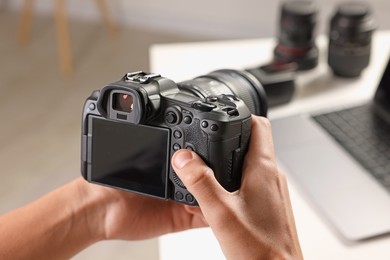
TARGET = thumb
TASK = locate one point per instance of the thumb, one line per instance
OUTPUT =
(198, 178)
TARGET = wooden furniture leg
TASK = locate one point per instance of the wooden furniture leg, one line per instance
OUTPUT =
(63, 39)
(25, 22)
(106, 17)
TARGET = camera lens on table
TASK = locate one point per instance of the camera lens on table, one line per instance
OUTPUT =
(296, 41)
(350, 35)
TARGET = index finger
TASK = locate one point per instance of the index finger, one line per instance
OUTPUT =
(261, 143)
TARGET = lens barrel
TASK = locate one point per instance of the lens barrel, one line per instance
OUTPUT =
(241, 84)
(350, 35)
(296, 41)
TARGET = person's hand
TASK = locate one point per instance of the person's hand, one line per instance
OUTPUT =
(129, 216)
(255, 222)
(79, 214)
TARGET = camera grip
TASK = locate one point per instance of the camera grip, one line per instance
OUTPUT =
(227, 157)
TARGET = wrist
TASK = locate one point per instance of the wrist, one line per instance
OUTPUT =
(56, 226)
(90, 208)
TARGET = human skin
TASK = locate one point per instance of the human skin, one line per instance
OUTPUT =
(255, 222)
(69, 219)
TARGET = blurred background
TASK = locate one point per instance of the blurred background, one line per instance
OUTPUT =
(49, 65)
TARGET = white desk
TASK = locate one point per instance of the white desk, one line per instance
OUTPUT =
(316, 89)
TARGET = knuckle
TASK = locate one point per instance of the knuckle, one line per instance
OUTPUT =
(281, 175)
(197, 175)
(261, 125)
(270, 166)
(266, 170)
(264, 122)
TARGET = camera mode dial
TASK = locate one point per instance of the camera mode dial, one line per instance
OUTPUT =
(227, 102)
(203, 106)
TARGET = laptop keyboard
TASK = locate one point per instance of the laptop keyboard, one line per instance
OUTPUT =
(364, 135)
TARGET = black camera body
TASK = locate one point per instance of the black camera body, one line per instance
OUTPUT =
(131, 129)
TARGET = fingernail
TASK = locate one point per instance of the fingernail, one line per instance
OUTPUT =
(182, 158)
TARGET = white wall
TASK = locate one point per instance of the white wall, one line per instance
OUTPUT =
(219, 19)
(214, 18)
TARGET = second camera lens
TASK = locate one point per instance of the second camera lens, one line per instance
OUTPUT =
(350, 35)
(296, 41)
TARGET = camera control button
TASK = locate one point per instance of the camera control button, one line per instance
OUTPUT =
(231, 111)
(187, 120)
(212, 99)
(189, 198)
(205, 124)
(171, 117)
(179, 195)
(190, 147)
(176, 147)
(214, 128)
(203, 106)
(91, 107)
(227, 100)
(231, 97)
(177, 134)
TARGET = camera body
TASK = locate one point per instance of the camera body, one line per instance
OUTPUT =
(131, 129)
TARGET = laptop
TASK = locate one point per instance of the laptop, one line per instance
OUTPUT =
(341, 161)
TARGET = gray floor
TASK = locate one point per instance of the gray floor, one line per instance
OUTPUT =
(40, 110)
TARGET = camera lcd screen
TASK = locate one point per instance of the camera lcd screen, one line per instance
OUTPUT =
(128, 156)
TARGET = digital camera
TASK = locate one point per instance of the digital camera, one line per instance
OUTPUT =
(131, 129)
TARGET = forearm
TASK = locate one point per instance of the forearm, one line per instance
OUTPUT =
(56, 226)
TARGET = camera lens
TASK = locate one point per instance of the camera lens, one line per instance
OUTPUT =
(241, 84)
(123, 102)
(296, 35)
(350, 35)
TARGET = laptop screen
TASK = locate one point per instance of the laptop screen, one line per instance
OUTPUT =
(382, 96)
